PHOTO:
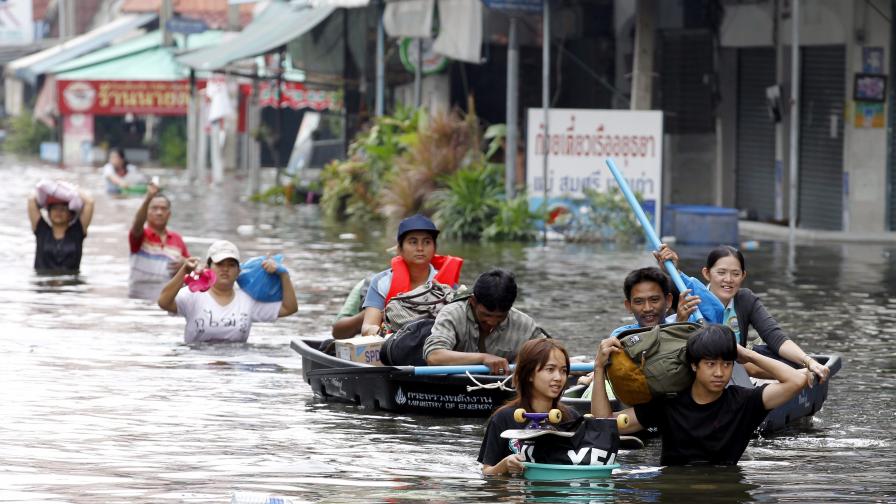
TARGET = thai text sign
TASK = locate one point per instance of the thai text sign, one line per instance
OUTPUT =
(123, 97)
(296, 96)
(16, 22)
(580, 142)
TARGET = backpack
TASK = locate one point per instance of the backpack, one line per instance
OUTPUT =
(405, 347)
(653, 362)
(595, 442)
(424, 302)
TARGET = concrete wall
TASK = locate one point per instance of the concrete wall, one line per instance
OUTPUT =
(865, 155)
(824, 22)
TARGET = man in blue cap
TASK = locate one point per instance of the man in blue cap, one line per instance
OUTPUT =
(415, 265)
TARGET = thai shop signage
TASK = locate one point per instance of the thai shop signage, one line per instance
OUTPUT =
(580, 142)
(122, 97)
(296, 96)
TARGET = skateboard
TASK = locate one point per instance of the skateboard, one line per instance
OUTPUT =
(541, 424)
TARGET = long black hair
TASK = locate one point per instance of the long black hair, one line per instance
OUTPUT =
(725, 251)
(533, 356)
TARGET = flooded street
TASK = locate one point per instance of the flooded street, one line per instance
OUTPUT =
(101, 401)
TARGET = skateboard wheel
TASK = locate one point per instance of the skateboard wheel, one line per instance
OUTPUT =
(622, 421)
(519, 415)
(588, 415)
(554, 416)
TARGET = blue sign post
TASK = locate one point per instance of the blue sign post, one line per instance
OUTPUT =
(185, 25)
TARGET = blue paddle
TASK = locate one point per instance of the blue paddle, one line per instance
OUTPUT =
(480, 369)
(648, 229)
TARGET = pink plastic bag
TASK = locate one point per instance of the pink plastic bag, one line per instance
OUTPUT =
(200, 281)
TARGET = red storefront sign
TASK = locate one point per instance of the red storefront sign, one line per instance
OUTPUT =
(296, 96)
(123, 97)
(111, 98)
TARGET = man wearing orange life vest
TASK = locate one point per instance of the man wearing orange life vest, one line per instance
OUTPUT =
(415, 264)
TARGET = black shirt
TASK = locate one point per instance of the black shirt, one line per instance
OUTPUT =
(717, 432)
(495, 448)
(58, 255)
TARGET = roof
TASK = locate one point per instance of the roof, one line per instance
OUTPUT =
(34, 65)
(273, 28)
(142, 58)
(213, 12)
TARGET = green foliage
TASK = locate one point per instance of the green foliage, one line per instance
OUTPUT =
(24, 134)
(514, 221)
(469, 202)
(409, 162)
(351, 187)
(173, 144)
(607, 217)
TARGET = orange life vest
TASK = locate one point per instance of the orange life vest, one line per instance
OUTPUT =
(448, 273)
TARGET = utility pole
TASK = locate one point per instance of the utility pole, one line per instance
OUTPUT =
(794, 118)
(545, 105)
(166, 12)
(513, 71)
(642, 71)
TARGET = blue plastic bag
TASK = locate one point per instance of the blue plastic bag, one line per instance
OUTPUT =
(258, 283)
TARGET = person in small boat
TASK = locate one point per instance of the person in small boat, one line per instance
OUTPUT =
(539, 380)
(710, 422)
(725, 270)
(156, 251)
(223, 313)
(648, 296)
(415, 265)
(351, 316)
(482, 329)
(119, 174)
(59, 237)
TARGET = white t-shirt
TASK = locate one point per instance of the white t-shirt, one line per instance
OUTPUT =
(209, 321)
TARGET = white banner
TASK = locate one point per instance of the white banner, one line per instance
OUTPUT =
(580, 142)
(16, 23)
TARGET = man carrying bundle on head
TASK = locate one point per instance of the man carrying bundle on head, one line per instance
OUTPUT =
(709, 422)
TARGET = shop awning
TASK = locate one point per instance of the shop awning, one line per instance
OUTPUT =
(142, 58)
(273, 28)
(34, 65)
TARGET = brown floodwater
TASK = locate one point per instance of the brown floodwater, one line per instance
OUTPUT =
(101, 401)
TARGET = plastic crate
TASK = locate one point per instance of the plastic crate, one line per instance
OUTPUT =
(701, 224)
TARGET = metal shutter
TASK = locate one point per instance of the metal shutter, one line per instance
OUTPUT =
(823, 92)
(685, 62)
(755, 133)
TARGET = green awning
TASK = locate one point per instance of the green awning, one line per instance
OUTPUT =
(273, 28)
(142, 58)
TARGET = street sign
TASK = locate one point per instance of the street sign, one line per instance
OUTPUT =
(515, 6)
(185, 25)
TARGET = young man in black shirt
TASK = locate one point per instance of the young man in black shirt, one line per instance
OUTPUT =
(708, 423)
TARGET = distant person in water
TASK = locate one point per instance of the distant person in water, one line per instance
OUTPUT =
(119, 174)
(59, 236)
(156, 251)
(223, 313)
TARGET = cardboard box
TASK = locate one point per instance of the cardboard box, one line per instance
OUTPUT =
(364, 349)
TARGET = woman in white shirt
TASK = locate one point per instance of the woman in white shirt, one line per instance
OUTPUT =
(119, 174)
(223, 313)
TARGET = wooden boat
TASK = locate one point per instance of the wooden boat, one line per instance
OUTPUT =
(396, 388)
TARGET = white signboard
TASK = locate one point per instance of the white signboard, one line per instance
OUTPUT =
(16, 23)
(580, 142)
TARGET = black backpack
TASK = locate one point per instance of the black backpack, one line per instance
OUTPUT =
(405, 347)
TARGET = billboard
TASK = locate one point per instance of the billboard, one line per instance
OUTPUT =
(580, 142)
(122, 97)
(16, 22)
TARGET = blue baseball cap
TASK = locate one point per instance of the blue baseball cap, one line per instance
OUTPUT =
(417, 223)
